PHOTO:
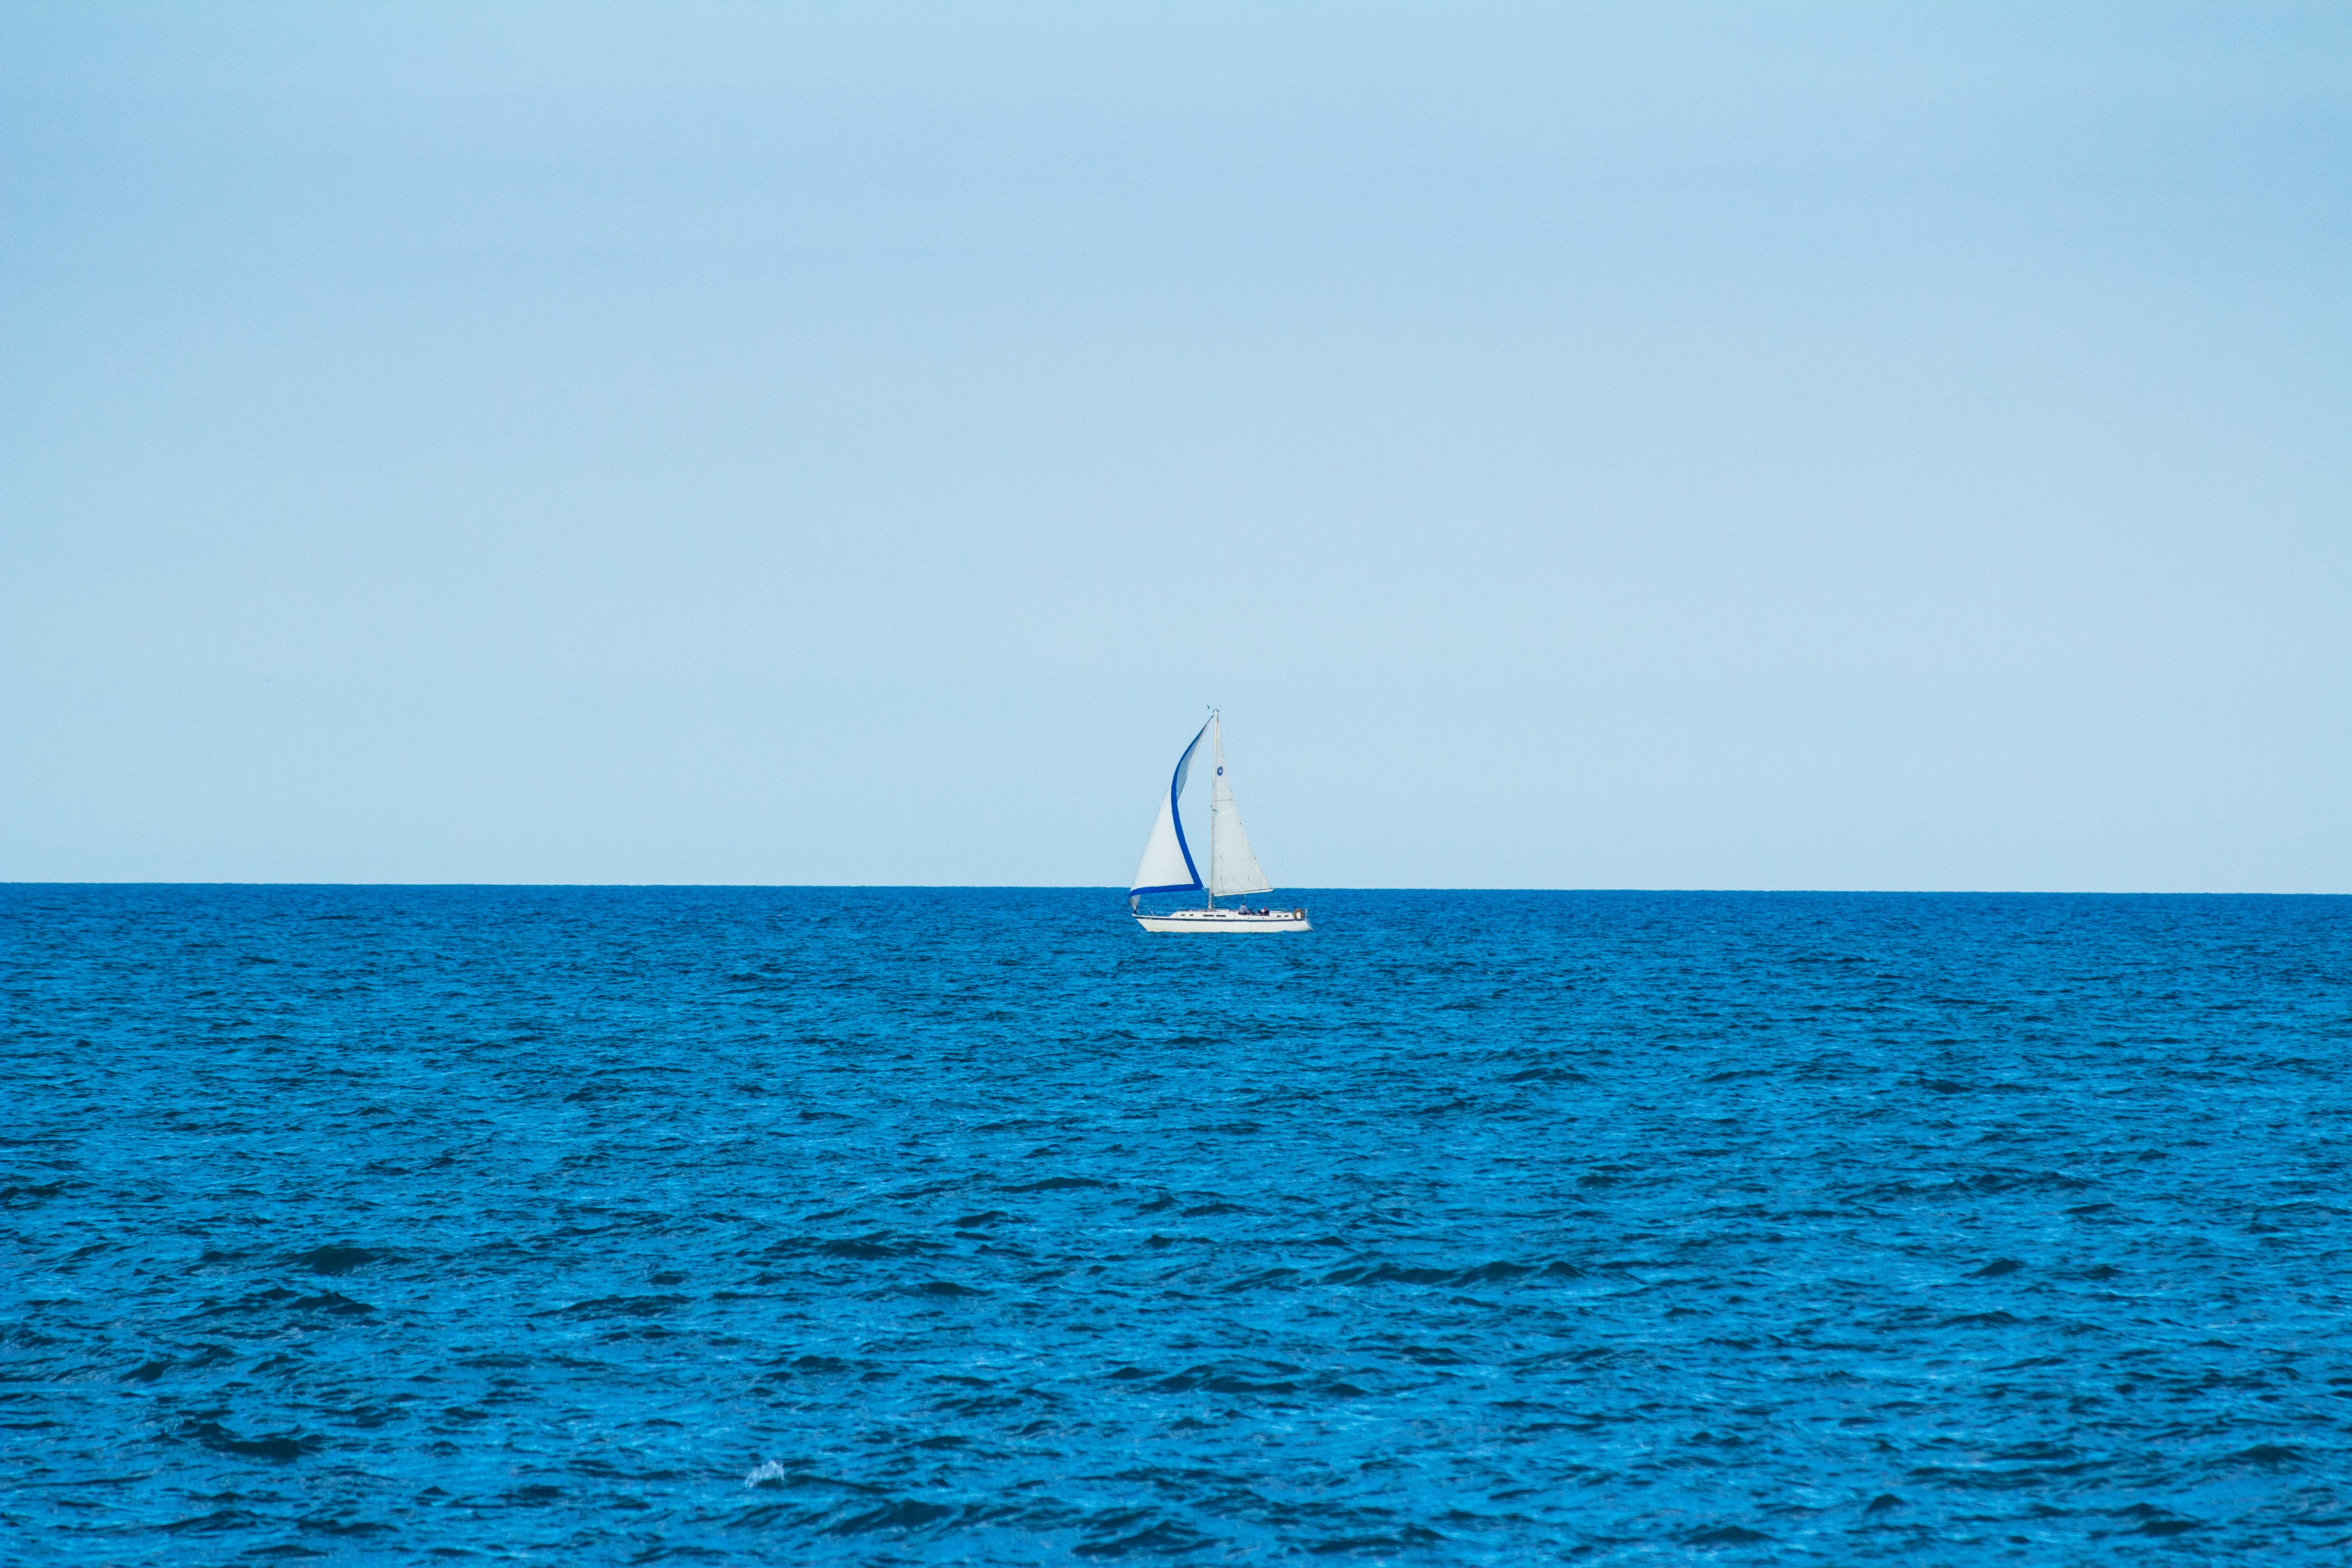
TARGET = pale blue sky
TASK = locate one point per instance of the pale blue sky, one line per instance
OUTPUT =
(1647, 445)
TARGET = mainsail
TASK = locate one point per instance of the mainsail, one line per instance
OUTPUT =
(1167, 865)
(1232, 868)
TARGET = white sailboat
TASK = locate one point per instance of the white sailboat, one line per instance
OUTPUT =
(1166, 866)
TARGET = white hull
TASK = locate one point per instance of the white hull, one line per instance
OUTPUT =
(1223, 920)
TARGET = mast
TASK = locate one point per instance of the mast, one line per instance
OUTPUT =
(1217, 755)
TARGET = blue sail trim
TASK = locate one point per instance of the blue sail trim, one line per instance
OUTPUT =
(1176, 815)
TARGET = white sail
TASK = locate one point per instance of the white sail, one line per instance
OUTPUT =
(1167, 864)
(1232, 868)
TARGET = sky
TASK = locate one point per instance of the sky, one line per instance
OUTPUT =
(1650, 446)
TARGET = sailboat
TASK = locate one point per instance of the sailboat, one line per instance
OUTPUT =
(1166, 866)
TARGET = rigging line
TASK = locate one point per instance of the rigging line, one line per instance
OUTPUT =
(1258, 801)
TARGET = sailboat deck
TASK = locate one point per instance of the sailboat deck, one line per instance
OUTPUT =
(1224, 921)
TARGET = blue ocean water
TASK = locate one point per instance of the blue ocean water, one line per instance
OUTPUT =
(905, 1226)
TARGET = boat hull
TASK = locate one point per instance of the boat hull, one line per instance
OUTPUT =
(1225, 921)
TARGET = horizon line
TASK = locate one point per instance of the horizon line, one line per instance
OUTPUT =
(1120, 892)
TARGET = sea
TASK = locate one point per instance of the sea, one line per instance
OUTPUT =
(965, 1225)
